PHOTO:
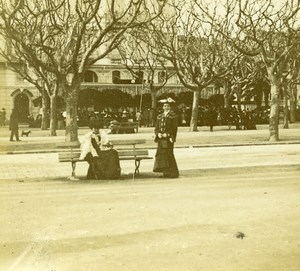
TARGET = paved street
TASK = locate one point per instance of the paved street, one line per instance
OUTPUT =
(152, 223)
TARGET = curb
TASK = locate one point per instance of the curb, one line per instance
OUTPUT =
(176, 147)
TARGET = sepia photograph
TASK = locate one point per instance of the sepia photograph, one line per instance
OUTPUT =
(153, 135)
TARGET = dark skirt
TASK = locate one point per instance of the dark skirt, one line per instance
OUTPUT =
(106, 166)
(165, 160)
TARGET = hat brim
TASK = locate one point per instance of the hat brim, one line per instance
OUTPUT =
(167, 101)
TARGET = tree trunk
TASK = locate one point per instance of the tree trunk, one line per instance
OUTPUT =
(286, 109)
(153, 106)
(53, 115)
(274, 111)
(194, 117)
(227, 95)
(153, 100)
(293, 107)
(238, 96)
(71, 117)
(293, 102)
(45, 109)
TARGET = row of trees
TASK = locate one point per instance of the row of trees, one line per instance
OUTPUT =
(54, 42)
(247, 47)
(238, 45)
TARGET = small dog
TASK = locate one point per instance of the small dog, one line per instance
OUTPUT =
(25, 133)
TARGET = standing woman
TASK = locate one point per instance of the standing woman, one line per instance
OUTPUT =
(165, 136)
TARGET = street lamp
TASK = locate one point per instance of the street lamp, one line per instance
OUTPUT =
(142, 91)
(133, 82)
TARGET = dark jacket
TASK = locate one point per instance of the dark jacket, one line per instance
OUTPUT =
(14, 121)
(166, 124)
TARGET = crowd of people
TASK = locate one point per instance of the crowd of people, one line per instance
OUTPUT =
(104, 118)
(213, 116)
(207, 116)
(35, 122)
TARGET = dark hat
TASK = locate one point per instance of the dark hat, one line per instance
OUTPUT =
(93, 123)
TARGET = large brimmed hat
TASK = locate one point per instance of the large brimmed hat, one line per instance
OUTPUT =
(168, 100)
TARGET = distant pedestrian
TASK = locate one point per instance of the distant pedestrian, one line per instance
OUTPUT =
(211, 118)
(237, 119)
(60, 121)
(138, 117)
(165, 136)
(2, 117)
(219, 117)
(14, 125)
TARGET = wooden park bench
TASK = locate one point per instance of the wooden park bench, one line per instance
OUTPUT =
(124, 127)
(70, 152)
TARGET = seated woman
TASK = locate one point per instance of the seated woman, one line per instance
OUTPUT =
(99, 153)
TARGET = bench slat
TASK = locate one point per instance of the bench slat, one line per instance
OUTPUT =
(138, 157)
(121, 158)
(132, 152)
(68, 145)
(68, 156)
(127, 142)
(73, 160)
(126, 153)
(76, 144)
(127, 124)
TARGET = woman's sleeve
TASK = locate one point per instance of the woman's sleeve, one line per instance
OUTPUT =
(84, 147)
(174, 127)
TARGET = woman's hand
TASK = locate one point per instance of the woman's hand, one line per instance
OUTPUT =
(164, 135)
(159, 135)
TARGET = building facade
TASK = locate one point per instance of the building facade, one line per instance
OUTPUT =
(108, 74)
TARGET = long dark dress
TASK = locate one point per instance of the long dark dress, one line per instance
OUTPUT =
(164, 159)
(105, 166)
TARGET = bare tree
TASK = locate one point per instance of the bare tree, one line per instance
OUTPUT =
(44, 81)
(198, 54)
(66, 37)
(258, 28)
(293, 79)
(240, 79)
(138, 55)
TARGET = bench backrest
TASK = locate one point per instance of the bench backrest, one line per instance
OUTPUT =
(127, 124)
(127, 142)
(123, 155)
(115, 142)
(68, 145)
(70, 151)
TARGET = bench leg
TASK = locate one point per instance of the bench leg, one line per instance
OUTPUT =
(73, 177)
(137, 166)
